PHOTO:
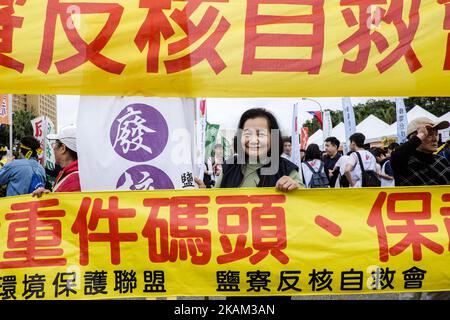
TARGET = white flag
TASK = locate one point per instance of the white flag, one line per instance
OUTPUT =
(445, 134)
(327, 125)
(43, 126)
(349, 121)
(295, 139)
(200, 134)
(135, 143)
(402, 119)
(49, 155)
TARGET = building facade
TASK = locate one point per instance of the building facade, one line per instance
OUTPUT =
(38, 104)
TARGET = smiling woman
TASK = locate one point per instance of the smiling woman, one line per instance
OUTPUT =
(260, 150)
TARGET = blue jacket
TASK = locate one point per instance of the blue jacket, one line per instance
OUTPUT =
(17, 174)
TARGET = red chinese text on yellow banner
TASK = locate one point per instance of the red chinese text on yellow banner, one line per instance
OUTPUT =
(234, 48)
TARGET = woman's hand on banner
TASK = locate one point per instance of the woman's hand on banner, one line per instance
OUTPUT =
(286, 184)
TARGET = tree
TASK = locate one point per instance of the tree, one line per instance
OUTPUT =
(312, 125)
(336, 117)
(436, 105)
(22, 124)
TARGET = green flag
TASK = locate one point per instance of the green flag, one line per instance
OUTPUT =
(210, 138)
(227, 148)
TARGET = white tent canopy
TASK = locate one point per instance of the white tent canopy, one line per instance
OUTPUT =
(418, 112)
(445, 117)
(371, 127)
(338, 132)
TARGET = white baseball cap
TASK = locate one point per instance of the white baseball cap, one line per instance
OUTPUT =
(67, 135)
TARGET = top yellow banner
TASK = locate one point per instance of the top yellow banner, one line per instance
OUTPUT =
(226, 48)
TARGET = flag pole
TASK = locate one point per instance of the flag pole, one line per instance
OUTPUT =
(10, 108)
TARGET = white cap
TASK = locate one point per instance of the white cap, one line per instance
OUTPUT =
(68, 136)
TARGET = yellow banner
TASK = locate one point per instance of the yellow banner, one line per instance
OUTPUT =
(252, 242)
(226, 48)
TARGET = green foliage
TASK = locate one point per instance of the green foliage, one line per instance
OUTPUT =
(22, 124)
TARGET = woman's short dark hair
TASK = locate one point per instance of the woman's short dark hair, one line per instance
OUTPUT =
(313, 152)
(271, 121)
(31, 144)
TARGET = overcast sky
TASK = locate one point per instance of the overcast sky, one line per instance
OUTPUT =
(227, 112)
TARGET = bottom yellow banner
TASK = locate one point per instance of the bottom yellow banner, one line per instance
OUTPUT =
(225, 242)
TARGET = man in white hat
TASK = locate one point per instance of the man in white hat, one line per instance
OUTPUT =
(414, 162)
(65, 149)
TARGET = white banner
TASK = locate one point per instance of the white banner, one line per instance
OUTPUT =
(349, 121)
(445, 135)
(327, 125)
(5, 111)
(200, 134)
(43, 126)
(295, 138)
(402, 120)
(49, 155)
(135, 143)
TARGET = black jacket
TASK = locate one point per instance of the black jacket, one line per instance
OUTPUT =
(415, 168)
(232, 174)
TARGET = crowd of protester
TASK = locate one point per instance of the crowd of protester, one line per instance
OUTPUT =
(22, 173)
(422, 160)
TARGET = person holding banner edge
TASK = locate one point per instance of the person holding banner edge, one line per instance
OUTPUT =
(65, 148)
(261, 152)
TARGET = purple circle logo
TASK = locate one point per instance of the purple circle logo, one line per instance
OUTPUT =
(139, 133)
(144, 177)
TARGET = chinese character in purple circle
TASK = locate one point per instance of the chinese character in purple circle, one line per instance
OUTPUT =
(139, 133)
(144, 177)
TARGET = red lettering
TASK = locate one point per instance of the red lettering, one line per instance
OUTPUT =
(267, 222)
(34, 235)
(447, 27)
(253, 39)
(363, 37)
(157, 24)
(8, 22)
(112, 213)
(445, 211)
(182, 234)
(86, 51)
(413, 231)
